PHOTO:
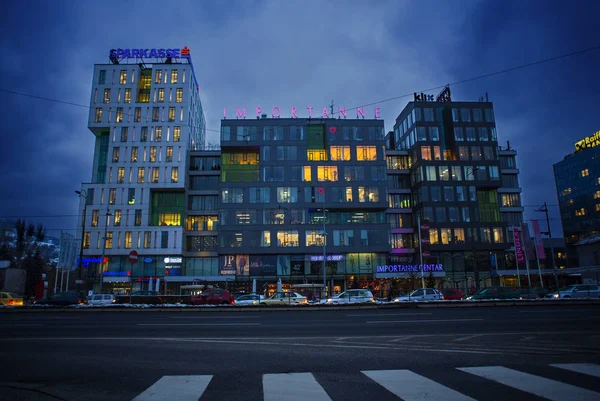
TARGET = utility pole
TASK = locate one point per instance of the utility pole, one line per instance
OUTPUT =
(551, 245)
(104, 248)
(82, 194)
(324, 249)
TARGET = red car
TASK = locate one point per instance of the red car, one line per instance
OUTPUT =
(213, 296)
(452, 294)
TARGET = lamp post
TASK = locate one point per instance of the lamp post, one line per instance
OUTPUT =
(324, 250)
(82, 194)
(549, 232)
(104, 248)
(474, 169)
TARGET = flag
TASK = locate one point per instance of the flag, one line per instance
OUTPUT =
(518, 245)
(527, 242)
(539, 245)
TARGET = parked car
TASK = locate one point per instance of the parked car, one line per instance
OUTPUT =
(142, 297)
(577, 291)
(249, 299)
(10, 299)
(285, 298)
(452, 294)
(102, 299)
(213, 296)
(534, 293)
(62, 299)
(351, 296)
(422, 294)
(496, 293)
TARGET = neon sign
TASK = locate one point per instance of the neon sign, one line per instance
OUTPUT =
(588, 142)
(150, 53)
(326, 113)
(330, 258)
(410, 268)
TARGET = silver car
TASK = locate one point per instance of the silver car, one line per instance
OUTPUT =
(249, 299)
(102, 299)
(577, 291)
(351, 297)
(422, 294)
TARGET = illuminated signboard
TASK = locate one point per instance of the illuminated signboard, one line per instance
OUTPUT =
(150, 53)
(115, 274)
(588, 142)
(330, 258)
(410, 268)
(326, 113)
(172, 259)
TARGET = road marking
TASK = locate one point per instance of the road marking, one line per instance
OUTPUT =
(20, 324)
(540, 386)
(527, 338)
(413, 387)
(214, 317)
(421, 321)
(182, 388)
(467, 337)
(293, 387)
(389, 314)
(585, 368)
(395, 340)
(198, 324)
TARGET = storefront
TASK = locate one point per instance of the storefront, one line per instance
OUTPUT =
(118, 283)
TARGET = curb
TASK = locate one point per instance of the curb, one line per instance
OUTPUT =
(309, 308)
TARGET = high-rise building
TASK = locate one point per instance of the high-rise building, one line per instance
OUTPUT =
(464, 188)
(577, 179)
(145, 113)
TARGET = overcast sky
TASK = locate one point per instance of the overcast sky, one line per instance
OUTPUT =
(250, 52)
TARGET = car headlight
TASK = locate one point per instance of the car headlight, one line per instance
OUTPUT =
(556, 296)
(469, 298)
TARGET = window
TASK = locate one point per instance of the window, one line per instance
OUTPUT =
(171, 114)
(287, 195)
(368, 194)
(314, 238)
(169, 154)
(465, 115)
(306, 174)
(580, 212)
(117, 218)
(315, 154)
(107, 95)
(341, 194)
(174, 76)
(260, 195)
(161, 95)
(157, 76)
(354, 173)
(378, 174)
(124, 134)
(327, 173)
(489, 115)
(95, 216)
(430, 173)
(483, 134)
(477, 115)
(155, 114)
(471, 137)
(585, 172)
(428, 114)
(265, 239)
(158, 134)
(444, 173)
(155, 175)
(434, 237)
(426, 152)
(128, 238)
(339, 152)
(446, 235)
(233, 195)
(179, 95)
(108, 240)
(138, 217)
(448, 194)
(152, 154)
(476, 153)
(494, 173)
(498, 235)
(164, 239)
(176, 134)
(174, 174)
(121, 175)
(466, 216)
(147, 239)
(421, 134)
(127, 98)
(144, 134)
(102, 77)
(597, 195)
(598, 207)
(366, 153)
(343, 238)
(112, 196)
(116, 154)
(456, 173)
(434, 133)
(98, 115)
(134, 154)
(511, 200)
(297, 133)
(459, 134)
(287, 238)
(286, 152)
(123, 77)
(460, 194)
(436, 153)
(131, 196)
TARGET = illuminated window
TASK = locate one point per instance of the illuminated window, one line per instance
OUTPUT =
(174, 76)
(316, 154)
(157, 76)
(287, 238)
(265, 239)
(287, 194)
(117, 221)
(598, 207)
(340, 152)
(176, 134)
(446, 235)
(141, 176)
(327, 173)
(179, 95)
(147, 239)
(314, 238)
(108, 240)
(436, 153)
(202, 223)
(98, 116)
(128, 237)
(459, 236)
(174, 174)
(158, 134)
(95, 215)
(425, 152)
(161, 95)
(134, 154)
(434, 237)
(348, 194)
(119, 117)
(120, 175)
(169, 219)
(131, 196)
(107, 95)
(580, 212)
(585, 172)
(152, 154)
(123, 77)
(570, 202)
(112, 196)
(116, 154)
(597, 195)
(366, 153)
(155, 174)
(486, 235)
(498, 235)
(127, 95)
(87, 237)
(368, 194)
(306, 174)
(566, 192)
(171, 114)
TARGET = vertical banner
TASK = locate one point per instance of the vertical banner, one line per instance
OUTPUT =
(539, 244)
(527, 242)
(518, 245)
(425, 242)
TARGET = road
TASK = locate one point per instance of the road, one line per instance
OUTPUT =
(495, 353)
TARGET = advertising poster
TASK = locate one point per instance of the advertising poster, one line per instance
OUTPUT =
(242, 265)
(283, 265)
(297, 268)
(227, 265)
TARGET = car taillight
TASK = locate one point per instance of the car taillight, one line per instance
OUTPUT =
(10, 302)
(79, 301)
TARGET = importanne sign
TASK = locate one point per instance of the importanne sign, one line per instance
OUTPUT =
(410, 268)
(326, 113)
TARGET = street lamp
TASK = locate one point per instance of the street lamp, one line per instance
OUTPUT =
(82, 194)
(473, 170)
(549, 232)
(108, 213)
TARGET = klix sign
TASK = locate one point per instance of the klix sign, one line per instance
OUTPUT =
(310, 110)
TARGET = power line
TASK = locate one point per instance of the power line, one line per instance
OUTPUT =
(504, 71)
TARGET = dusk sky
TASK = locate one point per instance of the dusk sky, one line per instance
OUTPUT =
(250, 53)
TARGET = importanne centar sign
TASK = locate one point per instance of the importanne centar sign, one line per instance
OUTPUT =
(150, 53)
(326, 113)
(410, 268)
(588, 142)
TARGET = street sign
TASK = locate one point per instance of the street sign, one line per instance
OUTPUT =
(133, 257)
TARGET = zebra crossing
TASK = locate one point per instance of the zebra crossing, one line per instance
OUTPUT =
(402, 384)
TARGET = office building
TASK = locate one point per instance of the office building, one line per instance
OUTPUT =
(145, 114)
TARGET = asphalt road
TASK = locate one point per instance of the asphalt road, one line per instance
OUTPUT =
(496, 353)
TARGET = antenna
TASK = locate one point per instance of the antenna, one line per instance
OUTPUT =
(331, 108)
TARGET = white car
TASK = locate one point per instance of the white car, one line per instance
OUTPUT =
(577, 291)
(351, 297)
(285, 298)
(250, 299)
(102, 299)
(422, 294)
